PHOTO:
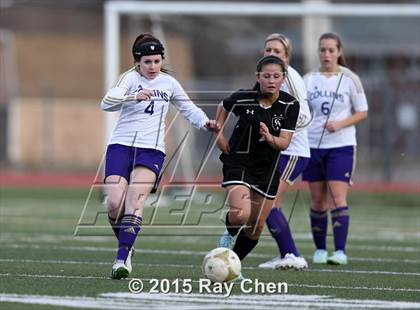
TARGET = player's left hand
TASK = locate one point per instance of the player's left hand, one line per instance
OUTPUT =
(333, 126)
(212, 125)
(265, 133)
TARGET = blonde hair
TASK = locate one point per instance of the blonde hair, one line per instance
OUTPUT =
(283, 40)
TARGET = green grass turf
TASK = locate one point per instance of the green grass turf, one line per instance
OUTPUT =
(36, 238)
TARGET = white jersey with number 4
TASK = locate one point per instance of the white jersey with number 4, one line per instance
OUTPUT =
(294, 85)
(142, 123)
(346, 88)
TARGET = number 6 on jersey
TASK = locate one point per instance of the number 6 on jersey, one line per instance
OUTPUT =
(324, 108)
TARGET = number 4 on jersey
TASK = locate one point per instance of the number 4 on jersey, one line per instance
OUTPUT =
(150, 109)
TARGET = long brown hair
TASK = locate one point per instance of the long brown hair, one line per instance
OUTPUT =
(333, 35)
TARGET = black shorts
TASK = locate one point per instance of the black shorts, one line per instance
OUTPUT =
(265, 184)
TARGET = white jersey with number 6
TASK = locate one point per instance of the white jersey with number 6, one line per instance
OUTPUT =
(346, 88)
(142, 123)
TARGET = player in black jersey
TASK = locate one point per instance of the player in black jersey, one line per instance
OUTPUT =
(267, 119)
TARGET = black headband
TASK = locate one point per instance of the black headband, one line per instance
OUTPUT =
(147, 49)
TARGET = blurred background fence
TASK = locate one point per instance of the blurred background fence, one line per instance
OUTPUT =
(52, 71)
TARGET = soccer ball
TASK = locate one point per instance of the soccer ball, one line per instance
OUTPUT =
(221, 265)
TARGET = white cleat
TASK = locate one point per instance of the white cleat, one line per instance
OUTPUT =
(338, 258)
(271, 264)
(320, 257)
(128, 260)
(119, 270)
(290, 261)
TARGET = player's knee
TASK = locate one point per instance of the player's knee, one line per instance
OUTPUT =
(338, 200)
(319, 205)
(134, 202)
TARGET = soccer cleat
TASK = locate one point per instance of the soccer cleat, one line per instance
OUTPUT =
(320, 257)
(338, 258)
(226, 240)
(119, 270)
(271, 264)
(290, 261)
(128, 260)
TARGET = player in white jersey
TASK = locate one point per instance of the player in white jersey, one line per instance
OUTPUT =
(338, 100)
(293, 160)
(136, 150)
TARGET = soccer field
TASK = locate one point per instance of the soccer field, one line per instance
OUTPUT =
(43, 265)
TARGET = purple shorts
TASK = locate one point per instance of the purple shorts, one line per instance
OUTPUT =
(291, 166)
(335, 164)
(122, 159)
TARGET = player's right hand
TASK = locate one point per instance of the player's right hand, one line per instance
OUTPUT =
(223, 144)
(144, 94)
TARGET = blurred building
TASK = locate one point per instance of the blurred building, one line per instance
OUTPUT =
(51, 77)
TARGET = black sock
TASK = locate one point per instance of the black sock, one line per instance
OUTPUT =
(115, 225)
(233, 230)
(243, 245)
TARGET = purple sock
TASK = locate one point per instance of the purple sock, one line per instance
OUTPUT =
(340, 220)
(130, 227)
(319, 223)
(115, 225)
(280, 230)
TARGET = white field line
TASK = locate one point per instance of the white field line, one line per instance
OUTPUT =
(57, 276)
(13, 237)
(204, 301)
(272, 300)
(248, 300)
(49, 238)
(185, 252)
(75, 262)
